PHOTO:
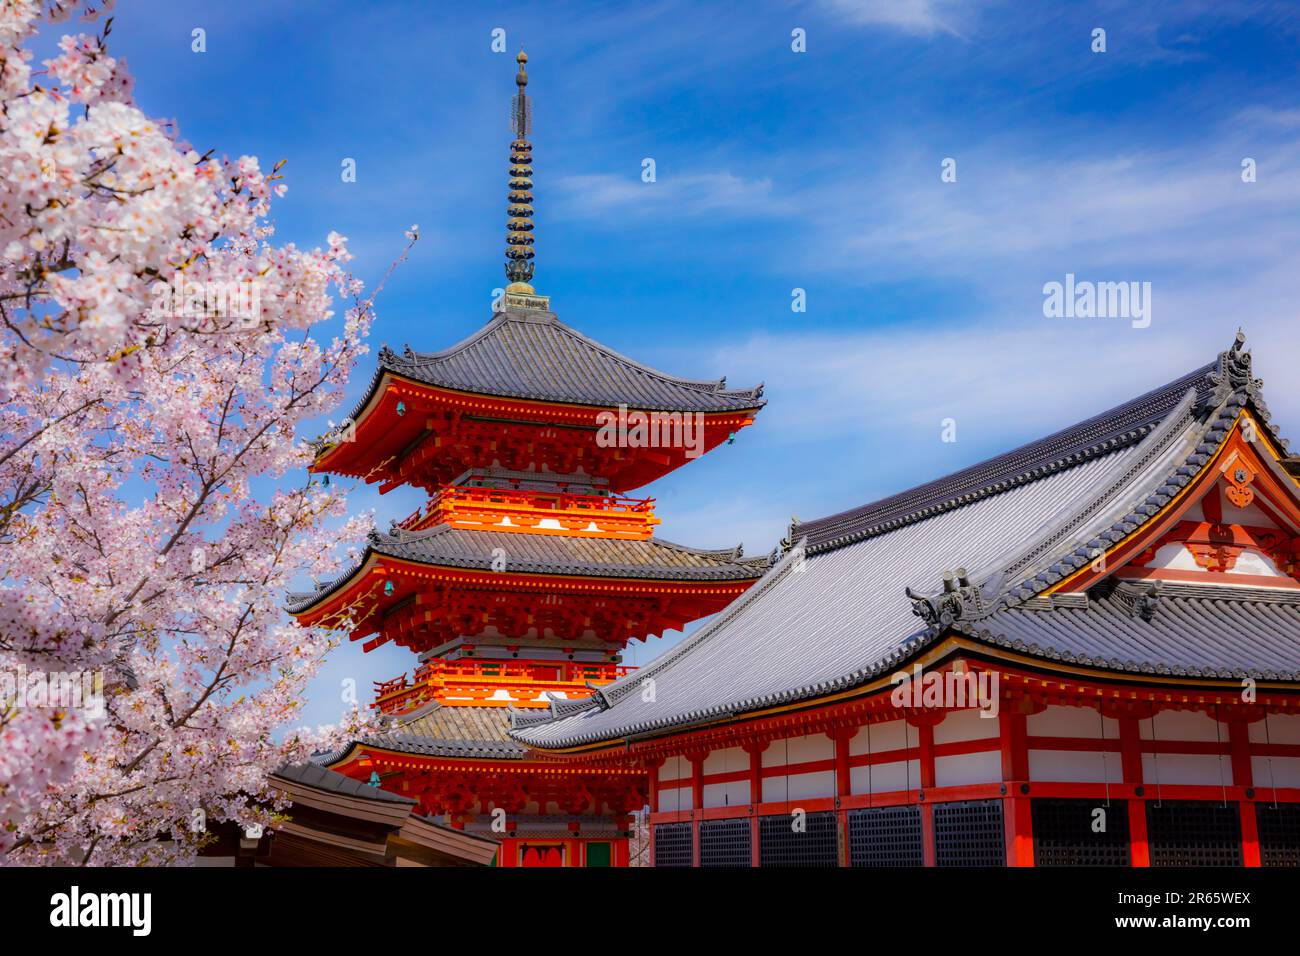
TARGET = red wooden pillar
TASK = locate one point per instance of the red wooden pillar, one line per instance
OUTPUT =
(843, 787)
(1017, 812)
(1243, 775)
(697, 801)
(755, 750)
(652, 766)
(1130, 746)
(925, 743)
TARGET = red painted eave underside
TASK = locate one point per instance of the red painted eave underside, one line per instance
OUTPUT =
(431, 604)
(442, 433)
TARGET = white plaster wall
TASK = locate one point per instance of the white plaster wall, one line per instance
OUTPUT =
(798, 750)
(963, 769)
(1281, 729)
(1060, 721)
(675, 798)
(1069, 766)
(886, 777)
(878, 738)
(965, 725)
(1183, 725)
(1285, 773)
(726, 794)
(803, 786)
(1202, 769)
(674, 768)
(726, 761)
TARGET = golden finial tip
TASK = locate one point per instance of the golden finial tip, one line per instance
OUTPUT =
(521, 78)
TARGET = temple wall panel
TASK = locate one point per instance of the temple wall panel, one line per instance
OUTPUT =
(1074, 766)
(1182, 725)
(878, 738)
(729, 760)
(1058, 721)
(674, 772)
(675, 798)
(963, 769)
(1278, 729)
(1285, 772)
(790, 750)
(961, 725)
(886, 777)
(802, 786)
(1203, 769)
(730, 794)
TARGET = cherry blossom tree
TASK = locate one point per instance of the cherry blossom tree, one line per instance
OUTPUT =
(157, 360)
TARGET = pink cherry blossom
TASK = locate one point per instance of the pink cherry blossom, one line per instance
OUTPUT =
(158, 360)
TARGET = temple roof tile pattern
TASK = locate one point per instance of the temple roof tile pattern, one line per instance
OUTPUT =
(832, 613)
(651, 559)
(436, 730)
(533, 355)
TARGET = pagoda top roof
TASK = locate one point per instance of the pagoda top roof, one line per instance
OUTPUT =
(1022, 523)
(531, 354)
(473, 549)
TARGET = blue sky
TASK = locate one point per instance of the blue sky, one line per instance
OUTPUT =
(779, 170)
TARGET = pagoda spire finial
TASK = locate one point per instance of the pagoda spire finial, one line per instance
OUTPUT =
(519, 224)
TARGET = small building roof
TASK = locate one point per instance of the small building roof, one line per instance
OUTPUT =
(315, 776)
(336, 820)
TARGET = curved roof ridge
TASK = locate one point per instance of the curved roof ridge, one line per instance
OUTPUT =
(1065, 448)
(484, 367)
(1119, 475)
(733, 554)
(427, 358)
(715, 386)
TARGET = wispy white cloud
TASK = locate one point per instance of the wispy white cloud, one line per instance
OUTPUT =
(1021, 379)
(1012, 203)
(919, 17)
(681, 196)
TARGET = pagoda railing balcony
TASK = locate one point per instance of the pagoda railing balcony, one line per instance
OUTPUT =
(487, 683)
(537, 512)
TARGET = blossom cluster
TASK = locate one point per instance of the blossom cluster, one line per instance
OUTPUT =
(154, 503)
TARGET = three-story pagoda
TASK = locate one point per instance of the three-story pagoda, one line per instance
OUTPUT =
(529, 570)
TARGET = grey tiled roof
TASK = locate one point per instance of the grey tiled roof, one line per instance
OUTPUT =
(1201, 631)
(1103, 433)
(435, 730)
(314, 775)
(651, 559)
(835, 615)
(536, 356)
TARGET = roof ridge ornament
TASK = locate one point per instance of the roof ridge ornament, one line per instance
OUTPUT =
(1235, 374)
(787, 543)
(959, 600)
(519, 294)
(1147, 604)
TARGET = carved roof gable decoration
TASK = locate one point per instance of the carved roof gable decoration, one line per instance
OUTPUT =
(1239, 475)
